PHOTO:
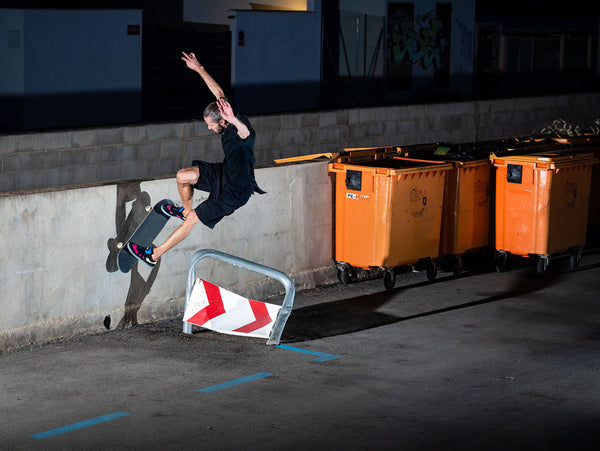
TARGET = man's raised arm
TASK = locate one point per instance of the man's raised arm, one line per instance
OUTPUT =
(192, 63)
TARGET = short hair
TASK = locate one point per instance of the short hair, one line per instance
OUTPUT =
(212, 112)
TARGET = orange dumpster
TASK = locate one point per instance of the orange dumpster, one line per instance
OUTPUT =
(542, 203)
(585, 144)
(466, 213)
(388, 213)
(594, 214)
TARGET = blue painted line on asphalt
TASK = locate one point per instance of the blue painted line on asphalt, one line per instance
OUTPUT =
(80, 425)
(234, 382)
(322, 356)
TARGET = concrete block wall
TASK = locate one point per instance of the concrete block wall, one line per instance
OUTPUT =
(113, 154)
(58, 276)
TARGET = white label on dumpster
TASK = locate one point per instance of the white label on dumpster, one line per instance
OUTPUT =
(215, 308)
(356, 196)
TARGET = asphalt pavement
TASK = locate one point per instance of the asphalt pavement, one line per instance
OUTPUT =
(485, 361)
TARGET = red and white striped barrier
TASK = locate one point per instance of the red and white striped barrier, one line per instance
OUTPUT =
(215, 308)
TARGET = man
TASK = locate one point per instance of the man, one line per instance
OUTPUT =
(230, 183)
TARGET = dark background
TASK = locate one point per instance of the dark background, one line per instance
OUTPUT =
(170, 92)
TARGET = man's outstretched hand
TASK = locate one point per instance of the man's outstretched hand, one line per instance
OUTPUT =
(191, 61)
(225, 109)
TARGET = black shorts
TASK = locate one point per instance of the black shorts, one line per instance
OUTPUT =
(218, 205)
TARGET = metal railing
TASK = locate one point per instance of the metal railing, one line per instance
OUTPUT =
(288, 300)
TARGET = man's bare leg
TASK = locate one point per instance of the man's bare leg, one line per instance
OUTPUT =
(180, 234)
(186, 179)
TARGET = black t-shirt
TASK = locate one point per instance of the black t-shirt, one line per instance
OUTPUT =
(238, 165)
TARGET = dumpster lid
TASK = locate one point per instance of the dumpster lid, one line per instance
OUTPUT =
(347, 154)
(311, 157)
(551, 159)
(445, 151)
(391, 166)
(478, 150)
(583, 139)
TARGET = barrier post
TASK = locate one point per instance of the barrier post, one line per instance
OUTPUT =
(288, 300)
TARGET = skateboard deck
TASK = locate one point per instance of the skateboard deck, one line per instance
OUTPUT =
(145, 233)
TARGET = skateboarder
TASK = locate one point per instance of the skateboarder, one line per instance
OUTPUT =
(230, 183)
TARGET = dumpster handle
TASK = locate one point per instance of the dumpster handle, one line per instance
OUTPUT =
(286, 307)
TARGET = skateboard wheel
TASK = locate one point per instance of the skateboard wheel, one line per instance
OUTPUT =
(119, 245)
(149, 207)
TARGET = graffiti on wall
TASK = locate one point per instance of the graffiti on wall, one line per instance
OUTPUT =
(418, 40)
(417, 45)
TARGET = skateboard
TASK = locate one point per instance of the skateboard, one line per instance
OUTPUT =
(145, 233)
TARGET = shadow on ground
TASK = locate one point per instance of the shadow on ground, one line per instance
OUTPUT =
(360, 313)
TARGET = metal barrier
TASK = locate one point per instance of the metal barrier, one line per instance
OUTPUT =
(290, 290)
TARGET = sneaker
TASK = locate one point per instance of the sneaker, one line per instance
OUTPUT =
(142, 253)
(172, 210)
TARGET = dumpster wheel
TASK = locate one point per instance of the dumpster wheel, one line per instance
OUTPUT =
(431, 269)
(389, 278)
(457, 265)
(542, 265)
(500, 259)
(575, 258)
(344, 274)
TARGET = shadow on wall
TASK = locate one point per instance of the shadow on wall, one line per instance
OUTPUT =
(126, 224)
